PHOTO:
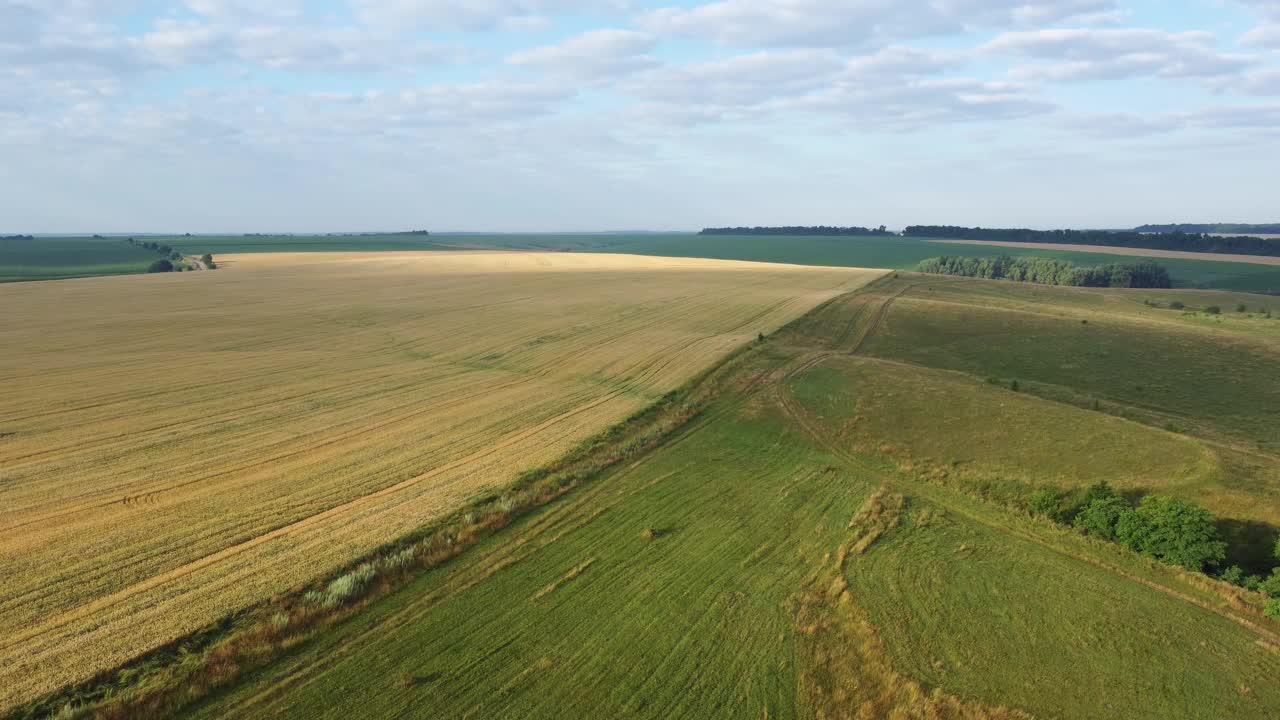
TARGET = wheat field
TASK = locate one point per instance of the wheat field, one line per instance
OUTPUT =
(175, 447)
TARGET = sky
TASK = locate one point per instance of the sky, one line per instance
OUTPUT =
(574, 115)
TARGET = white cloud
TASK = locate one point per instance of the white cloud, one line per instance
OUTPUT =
(177, 42)
(1262, 36)
(911, 104)
(740, 81)
(595, 54)
(896, 88)
(839, 23)
(247, 9)
(1266, 8)
(472, 15)
(1092, 53)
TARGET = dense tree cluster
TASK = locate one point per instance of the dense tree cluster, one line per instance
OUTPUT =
(18, 237)
(1167, 528)
(1170, 529)
(797, 230)
(1220, 228)
(160, 266)
(1048, 271)
(1191, 242)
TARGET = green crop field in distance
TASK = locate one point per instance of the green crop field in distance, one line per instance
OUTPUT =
(55, 258)
(220, 244)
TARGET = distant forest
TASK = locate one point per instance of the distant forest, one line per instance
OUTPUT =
(1049, 271)
(1219, 228)
(1192, 242)
(796, 230)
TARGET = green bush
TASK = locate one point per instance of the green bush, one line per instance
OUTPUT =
(1272, 608)
(1101, 517)
(1271, 586)
(1213, 310)
(1046, 502)
(160, 266)
(1233, 575)
(1241, 308)
(1173, 530)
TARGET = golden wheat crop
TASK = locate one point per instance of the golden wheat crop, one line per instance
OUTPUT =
(175, 447)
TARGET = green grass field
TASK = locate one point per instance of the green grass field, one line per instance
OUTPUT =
(787, 554)
(56, 258)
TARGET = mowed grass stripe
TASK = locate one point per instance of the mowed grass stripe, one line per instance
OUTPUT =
(301, 413)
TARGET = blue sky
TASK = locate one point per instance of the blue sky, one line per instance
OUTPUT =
(543, 115)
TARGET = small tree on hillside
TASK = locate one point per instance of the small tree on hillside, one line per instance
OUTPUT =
(1271, 585)
(1272, 608)
(1046, 502)
(159, 266)
(1101, 517)
(1172, 530)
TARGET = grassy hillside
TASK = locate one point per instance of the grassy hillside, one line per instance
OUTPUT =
(779, 558)
(56, 258)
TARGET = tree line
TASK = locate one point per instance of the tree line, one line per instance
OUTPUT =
(1186, 241)
(1221, 228)
(17, 237)
(1050, 271)
(797, 230)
